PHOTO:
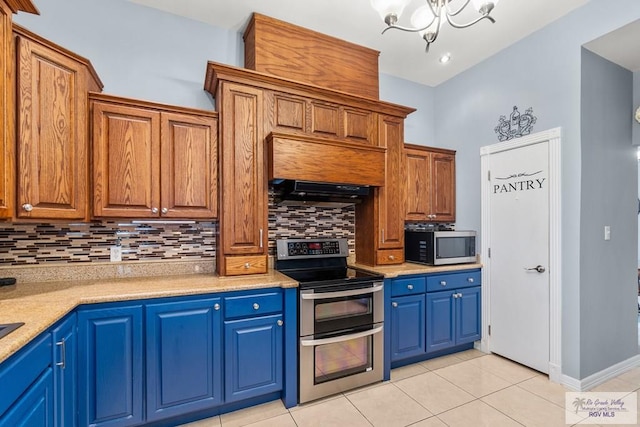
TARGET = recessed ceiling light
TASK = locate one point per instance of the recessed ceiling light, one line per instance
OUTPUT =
(445, 58)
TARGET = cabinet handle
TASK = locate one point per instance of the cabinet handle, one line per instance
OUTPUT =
(391, 257)
(443, 283)
(280, 322)
(470, 280)
(216, 306)
(434, 216)
(256, 306)
(164, 211)
(247, 265)
(63, 354)
(27, 207)
(261, 244)
(154, 210)
(410, 287)
(455, 295)
(394, 304)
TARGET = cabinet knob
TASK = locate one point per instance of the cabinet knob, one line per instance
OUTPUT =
(455, 296)
(216, 306)
(470, 280)
(410, 287)
(247, 265)
(154, 210)
(256, 306)
(394, 304)
(391, 257)
(280, 322)
(27, 207)
(434, 216)
(443, 283)
(164, 211)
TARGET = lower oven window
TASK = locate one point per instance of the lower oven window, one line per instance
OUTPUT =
(343, 359)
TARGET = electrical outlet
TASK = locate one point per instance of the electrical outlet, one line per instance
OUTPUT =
(607, 232)
(116, 253)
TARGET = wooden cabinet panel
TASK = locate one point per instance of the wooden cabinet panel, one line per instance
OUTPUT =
(243, 214)
(52, 143)
(325, 119)
(125, 166)
(359, 125)
(7, 114)
(189, 165)
(290, 113)
(390, 196)
(430, 184)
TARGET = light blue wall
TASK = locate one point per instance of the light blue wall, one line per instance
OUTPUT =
(636, 104)
(608, 285)
(543, 72)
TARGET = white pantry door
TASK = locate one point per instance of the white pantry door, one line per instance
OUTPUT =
(519, 254)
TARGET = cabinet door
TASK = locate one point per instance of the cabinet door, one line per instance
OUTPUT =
(51, 130)
(468, 315)
(110, 374)
(407, 327)
(35, 407)
(184, 364)
(253, 357)
(7, 113)
(443, 187)
(440, 320)
(189, 166)
(417, 175)
(126, 166)
(64, 373)
(390, 197)
(243, 210)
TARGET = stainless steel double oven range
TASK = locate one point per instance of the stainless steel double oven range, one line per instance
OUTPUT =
(340, 317)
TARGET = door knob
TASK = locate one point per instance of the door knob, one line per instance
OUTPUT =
(538, 268)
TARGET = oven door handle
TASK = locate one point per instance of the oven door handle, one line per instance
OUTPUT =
(333, 340)
(340, 294)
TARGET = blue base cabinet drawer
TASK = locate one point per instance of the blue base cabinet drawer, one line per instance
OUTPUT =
(410, 286)
(441, 282)
(258, 304)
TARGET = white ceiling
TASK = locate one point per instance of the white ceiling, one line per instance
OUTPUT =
(401, 54)
(621, 46)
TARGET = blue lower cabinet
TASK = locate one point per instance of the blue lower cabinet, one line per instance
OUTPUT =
(110, 366)
(35, 407)
(453, 318)
(253, 357)
(184, 357)
(468, 321)
(407, 327)
(64, 372)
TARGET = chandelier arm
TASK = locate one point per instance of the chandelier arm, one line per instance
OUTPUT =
(457, 11)
(408, 29)
(454, 25)
(436, 11)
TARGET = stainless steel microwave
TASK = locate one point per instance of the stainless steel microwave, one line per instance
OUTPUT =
(440, 247)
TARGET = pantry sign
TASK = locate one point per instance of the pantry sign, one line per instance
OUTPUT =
(518, 182)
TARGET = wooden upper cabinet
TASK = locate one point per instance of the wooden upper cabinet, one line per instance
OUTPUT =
(152, 160)
(243, 210)
(430, 189)
(7, 113)
(52, 141)
(379, 220)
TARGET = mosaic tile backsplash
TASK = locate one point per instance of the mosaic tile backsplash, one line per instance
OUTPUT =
(31, 244)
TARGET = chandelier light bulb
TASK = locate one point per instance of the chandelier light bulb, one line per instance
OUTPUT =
(422, 18)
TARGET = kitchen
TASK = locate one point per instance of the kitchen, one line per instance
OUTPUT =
(581, 359)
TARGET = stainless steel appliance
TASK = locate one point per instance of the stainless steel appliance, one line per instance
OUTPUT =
(439, 247)
(341, 317)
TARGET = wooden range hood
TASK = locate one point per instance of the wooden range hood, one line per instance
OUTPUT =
(309, 158)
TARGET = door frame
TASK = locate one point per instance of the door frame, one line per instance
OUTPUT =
(553, 136)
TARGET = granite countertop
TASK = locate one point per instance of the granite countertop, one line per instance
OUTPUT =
(41, 304)
(408, 268)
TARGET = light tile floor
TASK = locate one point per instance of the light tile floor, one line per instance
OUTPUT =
(467, 389)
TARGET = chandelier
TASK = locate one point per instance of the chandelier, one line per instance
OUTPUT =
(429, 18)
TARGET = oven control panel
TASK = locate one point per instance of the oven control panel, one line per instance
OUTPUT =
(307, 248)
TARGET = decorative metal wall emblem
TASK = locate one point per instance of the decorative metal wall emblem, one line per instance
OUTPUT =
(517, 124)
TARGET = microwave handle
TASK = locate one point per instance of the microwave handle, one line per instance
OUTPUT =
(333, 340)
(340, 294)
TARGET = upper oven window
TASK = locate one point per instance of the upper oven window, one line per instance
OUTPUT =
(337, 314)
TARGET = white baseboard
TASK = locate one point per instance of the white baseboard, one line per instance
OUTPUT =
(598, 378)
